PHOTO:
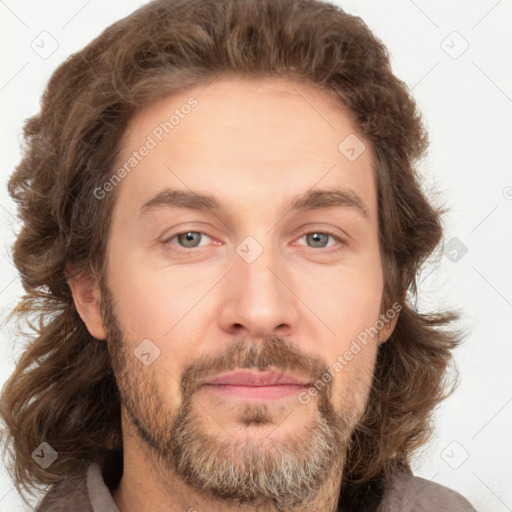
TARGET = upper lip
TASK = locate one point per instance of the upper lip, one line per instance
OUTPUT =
(248, 378)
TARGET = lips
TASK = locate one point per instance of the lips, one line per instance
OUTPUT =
(257, 379)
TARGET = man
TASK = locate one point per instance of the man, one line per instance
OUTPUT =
(221, 224)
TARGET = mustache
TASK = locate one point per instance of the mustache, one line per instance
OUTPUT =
(274, 353)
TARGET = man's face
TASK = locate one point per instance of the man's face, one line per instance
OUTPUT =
(255, 285)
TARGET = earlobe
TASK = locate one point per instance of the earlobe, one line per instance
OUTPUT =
(387, 330)
(87, 299)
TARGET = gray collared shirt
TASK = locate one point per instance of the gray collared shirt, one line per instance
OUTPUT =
(409, 493)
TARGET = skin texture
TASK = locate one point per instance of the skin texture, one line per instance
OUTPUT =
(255, 145)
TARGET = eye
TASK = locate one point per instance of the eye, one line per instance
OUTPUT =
(319, 239)
(187, 239)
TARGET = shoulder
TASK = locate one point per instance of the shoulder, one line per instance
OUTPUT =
(411, 493)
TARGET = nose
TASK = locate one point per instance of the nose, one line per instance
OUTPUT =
(258, 297)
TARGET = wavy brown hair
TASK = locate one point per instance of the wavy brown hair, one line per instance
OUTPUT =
(63, 390)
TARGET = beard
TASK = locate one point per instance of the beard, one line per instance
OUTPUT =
(280, 474)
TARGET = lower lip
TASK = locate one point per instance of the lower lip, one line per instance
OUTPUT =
(256, 392)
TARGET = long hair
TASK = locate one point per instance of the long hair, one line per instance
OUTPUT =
(63, 390)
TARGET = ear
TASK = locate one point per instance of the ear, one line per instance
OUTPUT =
(389, 327)
(87, 299)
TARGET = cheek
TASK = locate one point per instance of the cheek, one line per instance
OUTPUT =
(353, 368)
(150, 302)
(357, 311)
(155, 341)
(161, 306)
(347, 299)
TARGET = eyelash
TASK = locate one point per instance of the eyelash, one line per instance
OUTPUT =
(326, 251)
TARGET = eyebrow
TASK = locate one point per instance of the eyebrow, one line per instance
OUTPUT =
(311, 200)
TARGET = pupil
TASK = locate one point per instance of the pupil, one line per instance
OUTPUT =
(316, 236)
(189, 237)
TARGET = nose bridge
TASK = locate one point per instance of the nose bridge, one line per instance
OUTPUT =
(256, 267)
(258, 298)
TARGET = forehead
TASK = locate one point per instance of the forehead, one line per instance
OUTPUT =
(246, 136)
(255, 108)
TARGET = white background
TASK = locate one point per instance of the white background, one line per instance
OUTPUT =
(467, 105)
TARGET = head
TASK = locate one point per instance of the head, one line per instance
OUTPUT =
(172, 193)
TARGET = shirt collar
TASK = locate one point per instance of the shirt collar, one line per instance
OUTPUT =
(99, 494)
